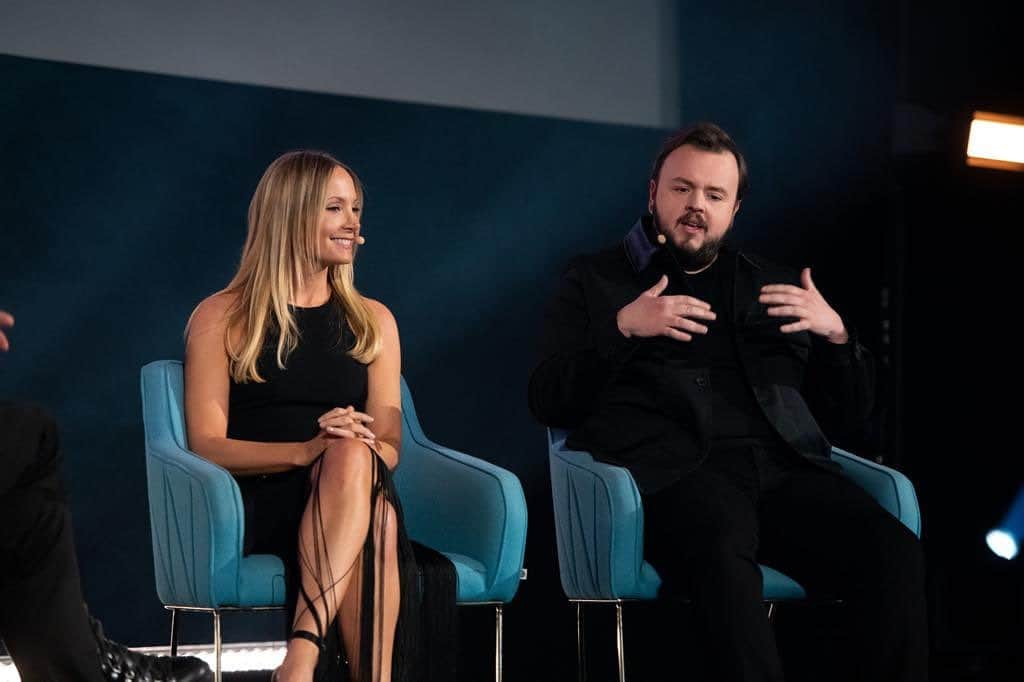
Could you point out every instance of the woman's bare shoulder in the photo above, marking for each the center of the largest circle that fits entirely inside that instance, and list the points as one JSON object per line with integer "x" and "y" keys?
{"x": 385, "y": 318}
{"x": 212, "y": 313}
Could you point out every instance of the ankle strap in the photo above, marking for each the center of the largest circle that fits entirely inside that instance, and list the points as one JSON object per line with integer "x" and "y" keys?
{"x": 309, "y": 637}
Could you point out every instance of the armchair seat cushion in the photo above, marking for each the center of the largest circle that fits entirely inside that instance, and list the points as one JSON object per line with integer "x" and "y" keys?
{"x": 261, "y": 581}
{"x": 779, "y": 586}
{"x": 472, "y": 577}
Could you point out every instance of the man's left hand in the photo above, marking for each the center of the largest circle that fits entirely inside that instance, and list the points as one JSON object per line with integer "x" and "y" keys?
{"x": 805, "y": 303}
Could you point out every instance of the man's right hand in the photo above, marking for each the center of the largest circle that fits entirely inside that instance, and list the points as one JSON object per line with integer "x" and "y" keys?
{"x": 652, "y": 314}
{"x": 6, "y": 320}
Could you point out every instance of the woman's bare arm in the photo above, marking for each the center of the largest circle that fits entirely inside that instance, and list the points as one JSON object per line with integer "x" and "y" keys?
{"x": 207, "y": 384}
{"x": 384, "y": 396}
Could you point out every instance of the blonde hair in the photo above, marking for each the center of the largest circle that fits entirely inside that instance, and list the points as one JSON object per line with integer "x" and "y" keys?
{"x": 281, "y": 247}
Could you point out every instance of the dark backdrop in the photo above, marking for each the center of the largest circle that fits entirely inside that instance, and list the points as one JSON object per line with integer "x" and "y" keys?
{"x": 122, "y": 204}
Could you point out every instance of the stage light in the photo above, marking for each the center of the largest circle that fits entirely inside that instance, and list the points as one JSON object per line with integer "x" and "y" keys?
{"x": 996, "y": 141}
{"x": 1002, "y": 543}
{"x": 1004, "y": 540}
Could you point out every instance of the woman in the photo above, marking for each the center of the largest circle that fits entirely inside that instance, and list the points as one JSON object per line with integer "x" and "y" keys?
{"x": 292, "y": 384}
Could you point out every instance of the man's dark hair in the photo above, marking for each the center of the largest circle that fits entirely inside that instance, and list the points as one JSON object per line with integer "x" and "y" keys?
{"x": 710, "y": 138}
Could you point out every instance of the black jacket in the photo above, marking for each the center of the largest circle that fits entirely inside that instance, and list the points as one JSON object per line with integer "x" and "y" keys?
{"x": 655, "y": 419}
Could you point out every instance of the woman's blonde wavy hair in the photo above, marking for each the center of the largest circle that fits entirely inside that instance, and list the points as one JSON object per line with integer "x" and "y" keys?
{"x": 281, "y": 248}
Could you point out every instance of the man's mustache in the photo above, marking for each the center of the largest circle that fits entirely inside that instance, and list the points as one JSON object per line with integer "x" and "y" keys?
{"x": 694, "y": 218}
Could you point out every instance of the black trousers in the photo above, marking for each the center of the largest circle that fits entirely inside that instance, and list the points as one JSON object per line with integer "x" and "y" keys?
{"x": 752, "y": 502}
{"x": 43, "y": 620}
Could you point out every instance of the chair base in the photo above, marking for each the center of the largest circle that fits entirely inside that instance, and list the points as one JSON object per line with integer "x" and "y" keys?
{"x": 499, "y": 620}
{"x": 216, "y": 612}
{"x": 581, "y": 644}
{"x": 499, "y": 615}
{"x": 620, "y": 643}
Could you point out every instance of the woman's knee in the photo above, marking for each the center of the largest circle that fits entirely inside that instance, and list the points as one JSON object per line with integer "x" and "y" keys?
{"x": 346, "y": 463}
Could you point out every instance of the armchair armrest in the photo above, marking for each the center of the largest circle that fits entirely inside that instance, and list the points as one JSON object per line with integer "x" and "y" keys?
{"x": 604, "y": 557}
{"x": 457, "y": 503}
{"x": 195, "y": 507}
{"x": 890, "y": 488}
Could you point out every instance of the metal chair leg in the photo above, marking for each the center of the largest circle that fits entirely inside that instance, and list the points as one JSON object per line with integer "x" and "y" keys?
{"x": 498, "y": 641}
{"x": 174, "y": 632}
{"x": 581, "y": 645}
{"x": 216, "y": 645}
{"x": 620, "y": 643}
{"x": 771, "y": 611}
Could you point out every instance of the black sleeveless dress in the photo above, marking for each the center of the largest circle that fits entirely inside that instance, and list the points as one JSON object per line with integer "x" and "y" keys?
{"x": 319, "y": 375}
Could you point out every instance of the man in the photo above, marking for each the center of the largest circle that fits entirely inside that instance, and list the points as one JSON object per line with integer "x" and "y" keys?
{"x": 43, "y": 621}
{"x": 683, "y": 360}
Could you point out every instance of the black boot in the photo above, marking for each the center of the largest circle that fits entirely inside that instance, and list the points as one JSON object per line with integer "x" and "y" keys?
{"x": 121, "y": 664}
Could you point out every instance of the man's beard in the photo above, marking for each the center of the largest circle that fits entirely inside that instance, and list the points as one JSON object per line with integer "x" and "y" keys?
{"x": 703, "y": 256}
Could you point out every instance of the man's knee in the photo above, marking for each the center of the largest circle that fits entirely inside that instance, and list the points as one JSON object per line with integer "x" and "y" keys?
{"x": 35, "y": 526}
{"x": 28, "y": 441}
{"x": 715, "y": 531}
{"x": 33, "y": 420}
{"x": 724, "y": 556}
{"x": 722, "y": 546}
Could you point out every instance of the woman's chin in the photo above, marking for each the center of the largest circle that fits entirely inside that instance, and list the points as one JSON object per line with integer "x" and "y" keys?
{"x": 337, "y": 260}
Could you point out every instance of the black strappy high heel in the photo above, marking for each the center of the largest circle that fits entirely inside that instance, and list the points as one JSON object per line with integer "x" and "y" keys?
{"x": 309, "y": 637}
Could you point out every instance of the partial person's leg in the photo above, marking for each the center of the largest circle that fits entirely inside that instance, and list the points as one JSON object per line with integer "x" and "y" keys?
{"x": 702, "y": 537}
{"x": 43, "y": 620}
{"x": 832, "y": 537}
{"x": 332, "y": 536}
{"x": 386, "y": 599}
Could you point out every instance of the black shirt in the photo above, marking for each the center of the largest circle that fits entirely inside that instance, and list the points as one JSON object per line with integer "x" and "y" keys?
{"x": 643, "y": 404}
{"x": 734, "y": 410}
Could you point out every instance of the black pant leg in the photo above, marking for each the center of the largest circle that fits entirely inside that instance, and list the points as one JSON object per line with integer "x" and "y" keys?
{"x": 701, "y": 534}
{"x": 837, "y": 541}
{"x": 43, "y": 621}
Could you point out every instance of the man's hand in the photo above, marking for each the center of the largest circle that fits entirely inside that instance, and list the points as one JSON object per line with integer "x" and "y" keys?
{"x": 652, "y": 314}
{"x": 806, "y": 304}
{"x": 6, "y": 320}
